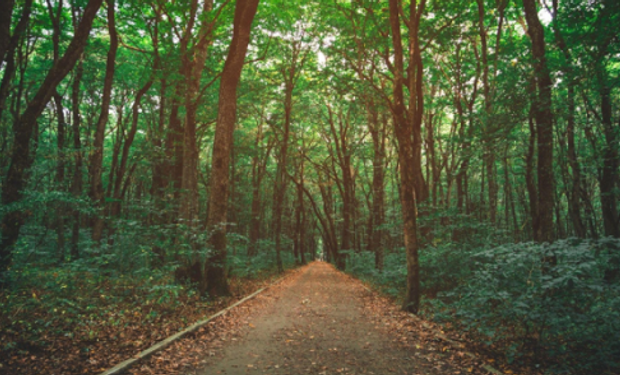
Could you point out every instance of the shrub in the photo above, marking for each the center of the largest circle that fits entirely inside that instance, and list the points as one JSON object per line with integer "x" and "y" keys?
{"x": 565, "y": 312}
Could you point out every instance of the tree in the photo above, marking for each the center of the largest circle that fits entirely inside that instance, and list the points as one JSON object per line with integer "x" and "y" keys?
{"x": 215, "y": 281}
{"x": 544, "y": 125}
{"x": 96, "y": 155}
{"x": 407, "y": 128}
{"x": 21, "y": 159}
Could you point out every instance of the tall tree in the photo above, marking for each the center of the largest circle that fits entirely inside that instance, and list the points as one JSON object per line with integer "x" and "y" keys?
{"x": 407, "y": 128}
{"x": 608, "y": 19}
{"x": 95, "y": 167}
{"x": 544, "y": 125}
{"x": 214, "y": 278}
{"x": 290, "y": 71}
{"x": 23, "y": 127}
{"x": 193, "y": 62}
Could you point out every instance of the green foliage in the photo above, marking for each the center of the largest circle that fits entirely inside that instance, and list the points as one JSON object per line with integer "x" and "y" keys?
{"x": 391, "y": 280}
{"x": 131, "y": 273}
{"x": 251, "y": 267}
{"x": 564, "y": 315}
{"x": 565, "y": 312}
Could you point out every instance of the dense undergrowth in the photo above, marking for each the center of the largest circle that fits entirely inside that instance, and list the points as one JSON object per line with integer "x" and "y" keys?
{"x": 113, "y": 300}
{"x": 554, "y": 308}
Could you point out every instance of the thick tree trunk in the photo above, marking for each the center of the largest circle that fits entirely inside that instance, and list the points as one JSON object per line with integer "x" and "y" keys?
{"x": 215, "y": 281}
{"x": 23, "y": 128}
{"x": 407, "y": 129}
{"x": 193, "y": 65}
{"x": 544, "y": 125}
{"x": 6, "y": 15}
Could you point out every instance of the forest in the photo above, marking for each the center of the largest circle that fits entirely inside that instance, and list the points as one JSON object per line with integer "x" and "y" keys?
{"x": 160, "y": 157}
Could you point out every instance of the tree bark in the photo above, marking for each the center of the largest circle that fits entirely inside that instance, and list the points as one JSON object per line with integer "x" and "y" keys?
{"x": 6, "y": 15}
{"x": 193, "y": 65}
{"x": 407, "y": 129}
{"x": 96, "y": 155}
{"x": 215, "y": 281}
{"x": 544, "y": 125}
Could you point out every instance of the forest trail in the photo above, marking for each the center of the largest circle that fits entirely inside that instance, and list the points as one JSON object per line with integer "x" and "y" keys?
{"x": 321, "y": 321}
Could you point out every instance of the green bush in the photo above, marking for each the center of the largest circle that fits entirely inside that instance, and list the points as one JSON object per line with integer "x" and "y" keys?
{"x": 563, "y": 310}
{"x": 563, "y": 315}
{"x": 241, "y": 265}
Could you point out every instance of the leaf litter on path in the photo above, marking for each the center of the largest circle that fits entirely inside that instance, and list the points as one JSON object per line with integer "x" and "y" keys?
{"x": 317, "y": 321}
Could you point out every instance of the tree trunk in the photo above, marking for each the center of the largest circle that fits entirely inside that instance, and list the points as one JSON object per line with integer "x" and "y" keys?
{"x": 407, "y": 130}
{"x": 60, "y": 176}
{"x": 574, "y": 196}
{"x": 488, "y": 140}
{"x": 574, "y": 190}
{"x": 121, "y": 171}
{"x": 193, "y": 65}
{"x": 215, "y": 281}
{"x": 530, "y": 165}
{"x": 6, "y": 16}
{"x": 96, "y": 155}
{"x": 76, "y": 182}
{"x": 378, "y": 132}
{"x": 23, "y": 128}
{"x": 290, "y": 74}
{"x": 609, "y": 176}
{"x": 544, "y": 125}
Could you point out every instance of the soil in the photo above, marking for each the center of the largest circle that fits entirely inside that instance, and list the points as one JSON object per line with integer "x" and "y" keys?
{"x": 317, "y": 321}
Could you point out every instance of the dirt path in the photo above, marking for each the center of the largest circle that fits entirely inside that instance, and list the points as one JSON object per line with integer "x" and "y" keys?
{"x": 320, "y": 321}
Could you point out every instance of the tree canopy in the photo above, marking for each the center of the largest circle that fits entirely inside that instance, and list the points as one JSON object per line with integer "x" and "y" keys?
{"x": 464, "y": 154}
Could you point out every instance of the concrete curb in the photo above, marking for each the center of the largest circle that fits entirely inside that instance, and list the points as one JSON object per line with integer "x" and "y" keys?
{"x": 125, "y": 365}
{"x": 455, "y": 344}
